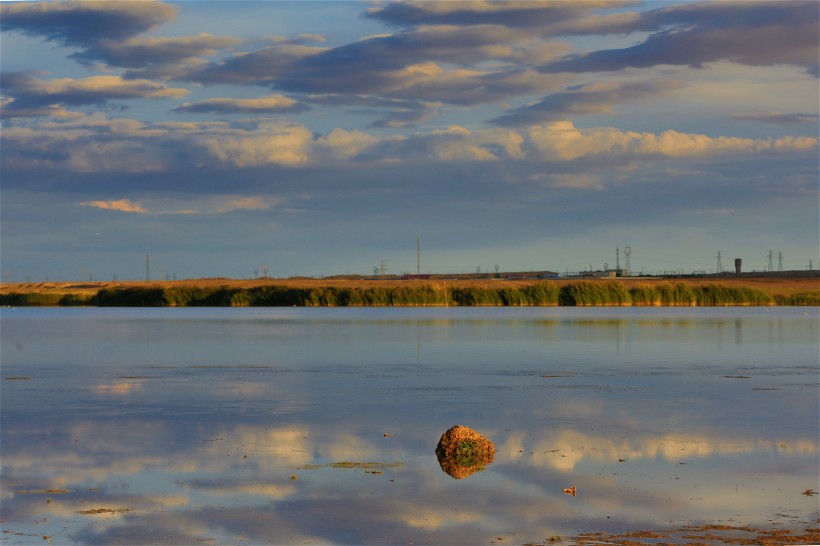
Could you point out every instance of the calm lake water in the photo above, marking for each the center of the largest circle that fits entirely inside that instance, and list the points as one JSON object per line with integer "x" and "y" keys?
{"x": 214, "y": 426}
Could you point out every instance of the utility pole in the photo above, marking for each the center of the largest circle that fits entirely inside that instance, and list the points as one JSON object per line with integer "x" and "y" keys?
{"x": 418, "y": 256}
{"x": 627, "y": 265}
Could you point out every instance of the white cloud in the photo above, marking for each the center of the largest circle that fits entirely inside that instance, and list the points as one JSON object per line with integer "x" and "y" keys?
{"x": 576, "y": 181}
{"x": 99, "y": 144}
{"x": 794, "y": 144}
{"x": 270, "y": 103}
{"x": 266, "y": 144}
{"x": 210, "y": 205}
{"x": 122, "y": 205}
{"x": 460, "y": 144}
{"x": 562, "y": 141}
{"x": 344, "y": 144}
{"x": 231, "y": 204}
{"x": 94, "y": 89}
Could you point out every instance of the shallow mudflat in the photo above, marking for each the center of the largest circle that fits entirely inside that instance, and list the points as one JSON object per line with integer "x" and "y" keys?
{"x": 272, "y": 426}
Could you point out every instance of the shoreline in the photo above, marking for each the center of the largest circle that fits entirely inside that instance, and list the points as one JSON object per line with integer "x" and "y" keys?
{"x": 431, "y": 292}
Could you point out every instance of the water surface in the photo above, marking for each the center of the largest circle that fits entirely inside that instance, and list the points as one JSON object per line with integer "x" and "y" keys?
{"x": 199, "y": 426}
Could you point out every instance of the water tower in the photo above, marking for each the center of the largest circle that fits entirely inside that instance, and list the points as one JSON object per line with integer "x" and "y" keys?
{"x": 738, "y": 263}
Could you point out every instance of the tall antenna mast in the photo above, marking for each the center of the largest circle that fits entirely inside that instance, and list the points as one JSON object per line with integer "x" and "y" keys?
{"x": 719, "y": 268}
{"x": 617, "y": 259}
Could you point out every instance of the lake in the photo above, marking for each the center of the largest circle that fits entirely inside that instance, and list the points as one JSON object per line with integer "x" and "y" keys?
{"x": 309, "y": 426}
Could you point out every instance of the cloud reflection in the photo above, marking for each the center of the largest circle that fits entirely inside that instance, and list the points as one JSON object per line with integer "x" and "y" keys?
{"x": 650, "y": 423}
{"x": 121, "y": 388}
{"x": 249, "y": 467}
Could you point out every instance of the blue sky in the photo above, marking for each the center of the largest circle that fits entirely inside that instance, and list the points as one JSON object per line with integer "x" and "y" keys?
{"x": 318, "y": 138}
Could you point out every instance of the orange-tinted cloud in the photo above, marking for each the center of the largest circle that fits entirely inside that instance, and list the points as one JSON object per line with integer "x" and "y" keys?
{"x": 122, "y": 205}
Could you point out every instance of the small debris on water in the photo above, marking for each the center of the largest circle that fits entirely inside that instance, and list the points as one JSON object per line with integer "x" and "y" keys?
{"x": 104, "y": 511}
{"x": 570, "y": 491}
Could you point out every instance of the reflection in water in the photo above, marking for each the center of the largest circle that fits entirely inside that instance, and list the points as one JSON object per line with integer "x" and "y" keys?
{"x": 462, "y": 452}
{"x": 249, "y": 429}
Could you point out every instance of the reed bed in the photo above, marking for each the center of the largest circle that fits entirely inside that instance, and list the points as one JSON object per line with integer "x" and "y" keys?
{"x": 44, "y": 299}
{"x": 583, "y": 293}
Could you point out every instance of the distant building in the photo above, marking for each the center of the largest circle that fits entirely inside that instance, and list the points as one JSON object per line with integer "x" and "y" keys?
{"x": 605, "y": 274}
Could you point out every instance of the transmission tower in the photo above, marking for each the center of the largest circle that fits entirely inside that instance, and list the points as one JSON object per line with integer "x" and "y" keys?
{"x": 780, "y": 261}
{"x": 627, "y": 265}
{"x": 771, "y": 266}
{"x": 719, "y": 268}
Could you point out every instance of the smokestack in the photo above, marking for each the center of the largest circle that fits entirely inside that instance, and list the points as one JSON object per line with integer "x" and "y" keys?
{"x": 738, "y": 263}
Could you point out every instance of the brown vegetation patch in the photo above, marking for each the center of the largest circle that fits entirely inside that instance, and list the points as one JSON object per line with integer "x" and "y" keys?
{"x": 462, "y": 452}
{"x": 366, "y": 466}
{"x": 42, "y": 492}
{"x": 96, "y": 511}
{"x": 702, "y": 534}
{"x": 780, "y": 285}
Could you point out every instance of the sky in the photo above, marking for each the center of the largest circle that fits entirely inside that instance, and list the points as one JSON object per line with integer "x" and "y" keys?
{"x": 312, "y": 138}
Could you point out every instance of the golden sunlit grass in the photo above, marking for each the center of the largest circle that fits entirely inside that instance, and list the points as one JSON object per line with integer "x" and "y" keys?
{"x": 428, "y": 292}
